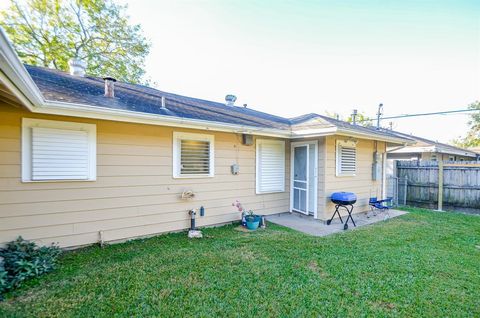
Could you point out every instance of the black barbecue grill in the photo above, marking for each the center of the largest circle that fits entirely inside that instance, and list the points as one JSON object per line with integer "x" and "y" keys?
{"x": 344, "y": 200}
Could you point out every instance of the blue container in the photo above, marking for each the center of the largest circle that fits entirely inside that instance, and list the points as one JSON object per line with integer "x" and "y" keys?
{"x": 253, "y": 222}
{"x": 343, "y": 198}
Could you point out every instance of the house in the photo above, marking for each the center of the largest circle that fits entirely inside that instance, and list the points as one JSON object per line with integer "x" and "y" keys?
{"x": 84, "y": 159}
{"x": 425, "y": 149}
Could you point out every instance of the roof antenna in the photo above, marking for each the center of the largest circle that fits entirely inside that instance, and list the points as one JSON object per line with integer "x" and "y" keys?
{"x": 379, "y": 114}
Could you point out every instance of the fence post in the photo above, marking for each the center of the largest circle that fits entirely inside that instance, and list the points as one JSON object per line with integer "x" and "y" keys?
{"x": 395, "y": 192}
{"x": 405, "y": 191}
{"x": 440, "y": 185}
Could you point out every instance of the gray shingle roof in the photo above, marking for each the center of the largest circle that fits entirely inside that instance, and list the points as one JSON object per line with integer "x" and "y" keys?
{"x": 427, "y": 142}
{"x": 59, "y": 86}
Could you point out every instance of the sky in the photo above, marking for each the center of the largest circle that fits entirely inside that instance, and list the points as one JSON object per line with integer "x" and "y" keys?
{"x": 295, "y": 57}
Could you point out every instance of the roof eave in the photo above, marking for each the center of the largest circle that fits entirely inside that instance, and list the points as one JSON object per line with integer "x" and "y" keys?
{"x": 88, "y": 111}
{"x": 390, "y": 139}
{"x": 457, "y": 152}
{"x": 308, "y": 133}
{"x": 16, "y": 77}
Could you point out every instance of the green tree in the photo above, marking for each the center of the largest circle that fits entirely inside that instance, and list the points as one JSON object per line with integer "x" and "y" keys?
{"x": 362, "y": 120}
{"x": 50, "y": 32}
{"x": 472, "y": 139}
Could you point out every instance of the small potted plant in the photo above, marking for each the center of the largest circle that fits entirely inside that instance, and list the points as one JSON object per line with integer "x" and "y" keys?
{"x": 252, "y": 220}
{"x": 249, "y": 219}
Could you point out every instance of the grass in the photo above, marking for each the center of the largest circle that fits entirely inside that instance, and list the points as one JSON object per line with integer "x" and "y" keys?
{"x": 423, "y": 264}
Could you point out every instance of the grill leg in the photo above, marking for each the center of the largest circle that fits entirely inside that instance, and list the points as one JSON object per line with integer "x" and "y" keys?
{"x": 349, "y": 216}
{"x": 333, "y": 216}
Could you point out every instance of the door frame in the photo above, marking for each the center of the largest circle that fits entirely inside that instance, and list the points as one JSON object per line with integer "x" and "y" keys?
{"x": 307, "y": 143}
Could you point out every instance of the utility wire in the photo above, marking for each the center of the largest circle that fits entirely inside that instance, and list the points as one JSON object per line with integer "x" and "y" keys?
{"x": 423, "y": 114}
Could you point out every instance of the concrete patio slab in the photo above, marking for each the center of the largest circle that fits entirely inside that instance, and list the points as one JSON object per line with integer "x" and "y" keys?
{"x": 307, "y": 224}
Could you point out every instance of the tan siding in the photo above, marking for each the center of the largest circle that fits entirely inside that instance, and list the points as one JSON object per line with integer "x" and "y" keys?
{"x": 135, "y": 193}
{"x": 361, "y": 184}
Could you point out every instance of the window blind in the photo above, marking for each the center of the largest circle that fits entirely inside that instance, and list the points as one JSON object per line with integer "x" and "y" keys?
{"x": 194, "y": 157}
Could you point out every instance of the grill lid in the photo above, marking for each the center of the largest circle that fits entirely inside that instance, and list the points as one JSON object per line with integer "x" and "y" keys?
{"x": 343, "y": 197}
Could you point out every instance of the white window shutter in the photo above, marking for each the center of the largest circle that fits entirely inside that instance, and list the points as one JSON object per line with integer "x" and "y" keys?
{"x": 270, "y": 166}
{"x": 59, "y": 154}
{"x": 193, "y": 155}
{"x": 346, "y": 158}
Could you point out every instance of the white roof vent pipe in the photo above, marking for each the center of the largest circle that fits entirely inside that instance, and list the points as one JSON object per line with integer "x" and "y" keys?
{"x": 77, "y": 67}
{"x": 230, "y": 100}
{"x": 164, "y": 105}
{"x": 109, "y": 86}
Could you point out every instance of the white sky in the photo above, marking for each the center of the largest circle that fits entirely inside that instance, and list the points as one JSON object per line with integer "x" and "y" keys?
{"x": 291, "y": 58}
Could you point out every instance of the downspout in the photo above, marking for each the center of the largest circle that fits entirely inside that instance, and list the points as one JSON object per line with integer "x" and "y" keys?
{"x": 384, "y": 172}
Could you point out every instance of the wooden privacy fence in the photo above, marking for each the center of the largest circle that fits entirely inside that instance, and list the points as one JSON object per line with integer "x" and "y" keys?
{"x": 437, "y": 184}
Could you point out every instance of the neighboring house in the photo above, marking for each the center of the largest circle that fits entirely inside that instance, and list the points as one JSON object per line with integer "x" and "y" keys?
{"x": 475, "y": 149}
{"x": 425, "y": 149}
{"x": 84, "y": 159}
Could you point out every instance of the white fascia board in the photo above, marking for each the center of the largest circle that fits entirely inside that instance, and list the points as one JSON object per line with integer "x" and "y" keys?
{"x": 314, "y": 132}
{"x": 394, "y": 149}
{"x": 87, "y": 111}
{"x": 347, "y": 132}
{"x": 457, "y": 152}
{"x": 414, "y": 149}
{"x": 14, "y": 70}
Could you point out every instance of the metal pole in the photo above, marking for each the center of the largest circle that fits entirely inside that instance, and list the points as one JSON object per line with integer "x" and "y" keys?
{"x": 395, "y": 191}
{"x": 379, "y": 113}
{"x": 440, "y": 184}
{"x": 405, "y": 191}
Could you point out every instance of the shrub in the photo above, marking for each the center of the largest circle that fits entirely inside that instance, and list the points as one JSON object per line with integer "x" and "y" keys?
{"x": 21, "y": 260}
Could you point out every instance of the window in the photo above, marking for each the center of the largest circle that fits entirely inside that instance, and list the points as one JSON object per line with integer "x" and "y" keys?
{"x": 346, "y": 158}
{"x": 433, "y": 157}
{"x": 451, "y": 158}
{"x": 58, "y": 150}
{"x": 270, "y": 166}
{"x": 193, "y": 155}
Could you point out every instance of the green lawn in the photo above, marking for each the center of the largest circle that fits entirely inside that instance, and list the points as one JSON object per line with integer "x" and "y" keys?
{"x": 424, "y": 264}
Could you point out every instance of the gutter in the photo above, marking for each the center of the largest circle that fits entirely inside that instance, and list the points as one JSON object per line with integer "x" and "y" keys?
{"x": 81, "y": 110}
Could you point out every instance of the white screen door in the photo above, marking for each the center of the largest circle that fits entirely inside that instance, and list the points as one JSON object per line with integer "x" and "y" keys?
{"x": 300, "y": 178}
{"x": 304, "y": 178}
